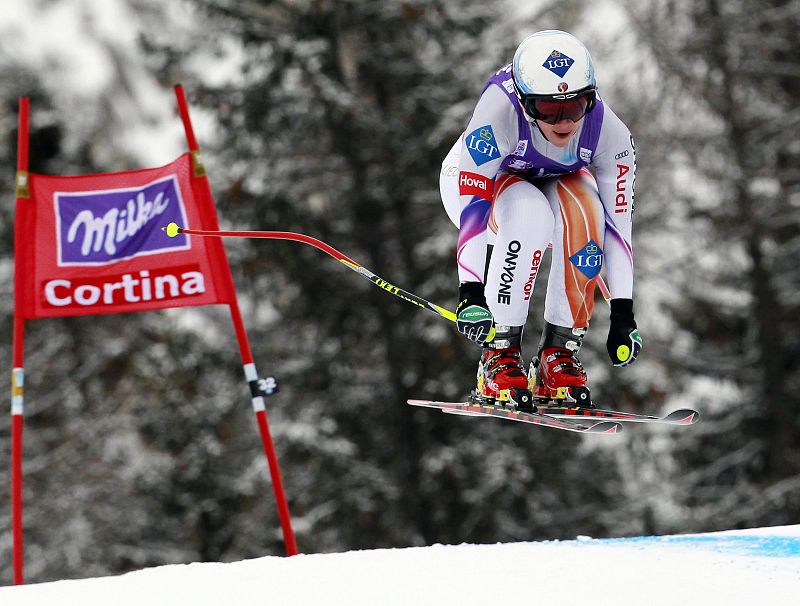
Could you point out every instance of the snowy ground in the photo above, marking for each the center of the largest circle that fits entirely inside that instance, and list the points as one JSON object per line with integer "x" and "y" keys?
{"x": 760, "y": 566}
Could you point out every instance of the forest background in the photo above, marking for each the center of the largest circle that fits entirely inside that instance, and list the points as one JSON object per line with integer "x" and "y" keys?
{"x": 332, "y": 118}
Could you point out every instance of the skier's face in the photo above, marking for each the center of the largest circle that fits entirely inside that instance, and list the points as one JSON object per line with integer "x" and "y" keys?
{"x": 561, "y": 132}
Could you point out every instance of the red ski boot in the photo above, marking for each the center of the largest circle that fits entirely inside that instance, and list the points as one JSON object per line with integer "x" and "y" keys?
{"x": 501, "y": 374}
{"x": 557, "y": 374}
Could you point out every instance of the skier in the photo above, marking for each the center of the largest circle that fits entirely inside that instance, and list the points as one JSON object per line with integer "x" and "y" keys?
{"x": 517, "y": 179}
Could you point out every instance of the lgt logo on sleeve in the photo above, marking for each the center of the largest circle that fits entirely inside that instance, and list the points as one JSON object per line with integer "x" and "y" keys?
{"x": 482, "y": 145}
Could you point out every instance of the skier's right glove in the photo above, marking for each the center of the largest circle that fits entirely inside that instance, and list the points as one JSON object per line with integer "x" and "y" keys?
{"x": 474, "y": 320}
{"x": 624, "y": 341}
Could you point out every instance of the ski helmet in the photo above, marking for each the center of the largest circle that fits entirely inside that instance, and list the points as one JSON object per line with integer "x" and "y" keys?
{"x": 553, "y": 77}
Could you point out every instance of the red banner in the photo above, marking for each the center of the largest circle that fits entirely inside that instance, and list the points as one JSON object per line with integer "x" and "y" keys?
{"x": 94, "y": 244}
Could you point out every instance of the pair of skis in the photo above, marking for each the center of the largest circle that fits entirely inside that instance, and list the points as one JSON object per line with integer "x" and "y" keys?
{"x": 580, "y": 420}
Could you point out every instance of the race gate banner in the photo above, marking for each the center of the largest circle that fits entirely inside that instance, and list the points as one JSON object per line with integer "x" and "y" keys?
{"x": 94, "y": 244}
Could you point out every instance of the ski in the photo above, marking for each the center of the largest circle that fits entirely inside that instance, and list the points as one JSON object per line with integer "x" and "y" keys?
{"x": 682, "y": 416}
{"x": 511, "y": 414}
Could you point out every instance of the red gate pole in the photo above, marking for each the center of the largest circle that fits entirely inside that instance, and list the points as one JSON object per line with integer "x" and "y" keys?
{"x": 18, "y": 356}
{"x": 17, "y": 424}
{"x": 251, "y": 374}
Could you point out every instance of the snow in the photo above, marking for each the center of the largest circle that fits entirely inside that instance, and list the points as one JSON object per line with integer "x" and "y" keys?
{"x": 759, "y": 566}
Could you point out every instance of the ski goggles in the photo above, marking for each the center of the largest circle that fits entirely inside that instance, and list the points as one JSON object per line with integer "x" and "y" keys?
{"x": 553, "y": 110}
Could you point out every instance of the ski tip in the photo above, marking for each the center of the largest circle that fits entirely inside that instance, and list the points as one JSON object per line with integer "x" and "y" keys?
{"x": 172, "y": 229}
{"x": 683, "y": 416}
{"x": 605, "y": 427}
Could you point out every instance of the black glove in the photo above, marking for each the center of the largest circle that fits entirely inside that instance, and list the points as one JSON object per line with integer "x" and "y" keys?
{"x": 624, "y": 341}
{"x": 474, "y": 320}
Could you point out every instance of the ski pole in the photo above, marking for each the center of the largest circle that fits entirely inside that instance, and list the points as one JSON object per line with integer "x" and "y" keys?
{"x": 604, "y": 289}
{"x": 173, "y": 230}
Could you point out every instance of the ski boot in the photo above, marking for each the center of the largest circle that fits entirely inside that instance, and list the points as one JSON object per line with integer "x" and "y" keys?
{"x": 501, "y": 374}
{"x": 556, "y": 373}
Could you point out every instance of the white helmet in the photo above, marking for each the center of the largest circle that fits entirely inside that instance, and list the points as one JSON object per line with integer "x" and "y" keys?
{"x": 553, "y": 65}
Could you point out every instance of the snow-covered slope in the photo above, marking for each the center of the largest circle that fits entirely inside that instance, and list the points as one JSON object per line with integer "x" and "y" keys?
{"x": 760, "y": 566}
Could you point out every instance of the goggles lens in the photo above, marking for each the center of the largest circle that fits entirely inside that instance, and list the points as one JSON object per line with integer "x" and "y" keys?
{"x": 553, "y": 111}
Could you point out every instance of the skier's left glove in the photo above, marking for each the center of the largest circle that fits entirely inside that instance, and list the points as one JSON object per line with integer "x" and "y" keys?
{"x": 624, "y": 341}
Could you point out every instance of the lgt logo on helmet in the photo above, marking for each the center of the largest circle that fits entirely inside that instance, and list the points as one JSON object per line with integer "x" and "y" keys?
{"x": 558, "y": 63}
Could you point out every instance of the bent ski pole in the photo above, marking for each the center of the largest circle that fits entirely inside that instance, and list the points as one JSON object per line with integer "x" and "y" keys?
{"x": 604, "y": 289}
{"x": 173, "y": 230}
